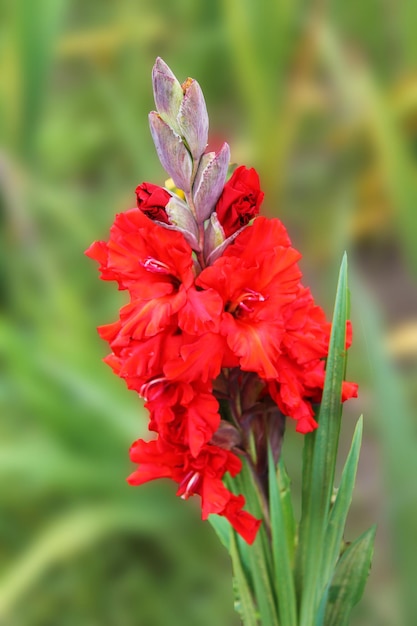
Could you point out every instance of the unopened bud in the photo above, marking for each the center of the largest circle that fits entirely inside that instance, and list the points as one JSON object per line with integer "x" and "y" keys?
{"x": 182, "y": 219}
{"x": 172, "y": 153}
{"x": 193, "y": 119}
{"x": 209, "y": 181}
{"x": 217, "y": 252}
{"x": 213, "y": 235}
{"x": 182, "y": 107}
{"x": 168, "y": 93}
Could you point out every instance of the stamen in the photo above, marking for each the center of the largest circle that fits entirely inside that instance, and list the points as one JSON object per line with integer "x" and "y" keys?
{"x": 243, "y": 303}
{"x": 153, "y": 265}
{"x": 244, "y": 307}
{"x": 159, "y": 267}
{"x": 143, "y": 391}
{"x": 190, "y": 484}
{"x": 253, "y": 296}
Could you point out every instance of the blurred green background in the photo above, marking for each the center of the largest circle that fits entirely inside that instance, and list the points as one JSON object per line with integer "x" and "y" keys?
{"x": 321, "y": 97}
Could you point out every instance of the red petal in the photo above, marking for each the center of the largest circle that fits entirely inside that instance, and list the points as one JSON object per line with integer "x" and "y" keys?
{"x": 202, "y": 312}
{"x": 243, "y": 522}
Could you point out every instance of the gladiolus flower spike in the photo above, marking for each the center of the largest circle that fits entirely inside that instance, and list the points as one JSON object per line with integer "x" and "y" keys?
{"x": 218, "y": 335}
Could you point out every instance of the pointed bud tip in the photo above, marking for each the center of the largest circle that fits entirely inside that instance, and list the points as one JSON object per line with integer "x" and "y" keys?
{"x": 210, "y": 180}
{"x": 225, "y": 148}
{"x": 161, "y": 66}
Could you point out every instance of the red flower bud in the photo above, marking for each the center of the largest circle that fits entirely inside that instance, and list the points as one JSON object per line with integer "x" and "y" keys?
{"x": 240, "y": 200}
{"x": 152, "y": 200}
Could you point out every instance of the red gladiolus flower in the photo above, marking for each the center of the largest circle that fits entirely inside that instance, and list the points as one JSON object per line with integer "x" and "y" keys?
{"x": 156, "y": 266}
{"x": 201, "y": 475}
{"x": 218, "y": 334}
{"x": 240, "y": 200}
{"x": 183, "y": 326}
{"x": 256, "y": 280}
{"x": 182, "y": 413}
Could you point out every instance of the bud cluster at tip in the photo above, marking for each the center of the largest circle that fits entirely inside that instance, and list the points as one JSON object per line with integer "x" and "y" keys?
{"x": 179, "y": 128}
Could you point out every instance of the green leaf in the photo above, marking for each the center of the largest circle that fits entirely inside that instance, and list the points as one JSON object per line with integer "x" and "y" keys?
{"x": 321, "y": 612}
{"x": 339, "y": 513}
{"x": 308, "y": 451}
{"x": 321, "y": 461}
{"x": 282, "y": 544}
{"x": 244, "y": 484}
{"x": 223, "y": 529}
{"x": 258, "y": 557}
{"x": 241, "y": 561}
{"x": 284, "y": 486}
{"x": 254, "y": 562}
{"x": 244, "y": 603}
{"x": 349, "y": 580}
{"x": 264, "y": 590}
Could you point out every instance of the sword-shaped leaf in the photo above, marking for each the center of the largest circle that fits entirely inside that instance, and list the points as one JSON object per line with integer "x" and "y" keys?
{"x": 349, "y": 580}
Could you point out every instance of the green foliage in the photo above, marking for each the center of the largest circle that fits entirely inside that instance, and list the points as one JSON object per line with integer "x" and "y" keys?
{"x": 340, "y": 508}
{"x": 283, "y": 542}
{"x": 349, "y": 580}
{"x": 319, "y": 475}
{"x": 244, "y": 601}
